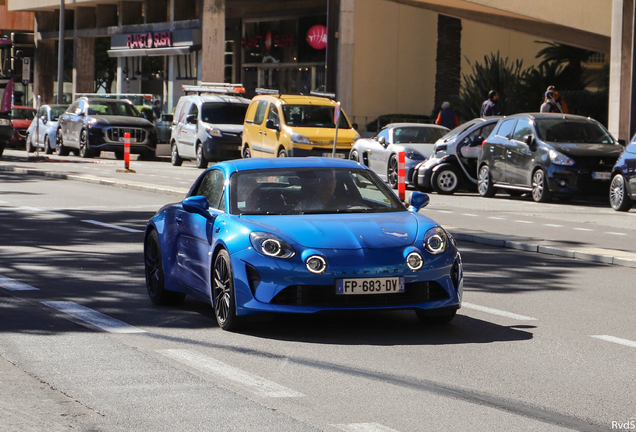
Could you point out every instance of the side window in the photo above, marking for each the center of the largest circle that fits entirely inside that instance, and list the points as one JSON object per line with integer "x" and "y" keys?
{"x": 194, "y": 110}
{"x": 212, "y": 187}
{"x": 506, "y": 128}
{"x": 179, "y": 109}
{"x": 273, "y": 115}
{"x": 260, "y": 112}
{"x": 522, "y": 129}
{"x": 184, "y": 111}
{"x": 486, "y": 130}
{"x": 82, "y": 106}
{"x": 73, "y": 107}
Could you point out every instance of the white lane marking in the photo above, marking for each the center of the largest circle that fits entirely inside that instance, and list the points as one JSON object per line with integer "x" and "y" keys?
{"x": 497, "y": 312}
{"x": 444, "y": 211}
{"x": 495, "y": 217}
{"x": 616, "y": 233}
{"x": 39, "y": 210}
{"x": 469, "y": 214}
{"x": 254, "y": 383}
{"x": 112, "y": 226}
{"x": 14, "y": 285}
{"x": 363, "y": 427}
{"x": 614, "y": 339}
{"x": 583, "y": 229}
{"x": 90, "y": 316}
{"x": 522, "y": 221}
{"x": 553, "y": 225}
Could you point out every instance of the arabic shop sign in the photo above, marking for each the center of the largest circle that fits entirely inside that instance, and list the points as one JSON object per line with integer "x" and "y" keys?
{"x": 149, "y": 40}
{"x": 269, "y": 41}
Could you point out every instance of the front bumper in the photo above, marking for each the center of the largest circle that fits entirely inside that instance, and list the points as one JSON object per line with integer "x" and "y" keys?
{"x": 100, "y": 139}
{"x": 341, "y": 152}
{"x": 573, "y": 180}
{"x": 222, "y": 148}
{"x": 265, "y": 284}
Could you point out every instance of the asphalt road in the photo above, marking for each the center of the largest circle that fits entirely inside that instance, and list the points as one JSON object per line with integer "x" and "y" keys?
{"x": 542, "y": 343}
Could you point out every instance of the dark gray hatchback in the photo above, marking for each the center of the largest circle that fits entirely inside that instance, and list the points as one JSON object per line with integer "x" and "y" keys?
{"x": 547, "y": 155}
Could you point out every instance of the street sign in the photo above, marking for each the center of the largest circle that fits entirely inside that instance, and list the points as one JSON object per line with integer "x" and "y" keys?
{"x": 26, "y": 70}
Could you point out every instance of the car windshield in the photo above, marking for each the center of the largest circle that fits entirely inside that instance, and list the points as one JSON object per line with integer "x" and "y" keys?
{"x": 313, "y": 116}
{"x": 459, "y": 129}
{"x": 310, "y": 191}
{"x": 223, "y": 113}
{"x": 56, "y": 112}
{"x": 572, "y": 131}
{"x": 113, "y": 108}
{"x": 415, "y": 135}
{"x": 22, "y": 114}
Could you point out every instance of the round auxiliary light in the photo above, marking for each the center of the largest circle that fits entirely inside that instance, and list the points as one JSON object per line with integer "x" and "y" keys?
{"x": 316, "y": 264}
{"x": 414, "y": 261}
{"x": 271, "y": 247}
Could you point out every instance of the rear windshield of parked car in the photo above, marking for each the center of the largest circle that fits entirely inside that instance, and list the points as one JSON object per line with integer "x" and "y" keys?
{"x": 113, "y": 109}
{"x": 414, "y": 135}
{"x": 223, "y": 113}
{"x": 22, "y": 114}
{"x": 572, "y": 131}
{"x": 313, "y": 116}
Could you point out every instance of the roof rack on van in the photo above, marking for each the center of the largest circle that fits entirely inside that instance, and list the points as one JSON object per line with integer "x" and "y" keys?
{"x": 323, "y": 94}
{"x": 219, "y": 88}
{"x": 267, "y": 91}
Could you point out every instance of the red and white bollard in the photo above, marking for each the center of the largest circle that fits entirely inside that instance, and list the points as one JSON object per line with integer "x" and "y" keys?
{"x": 401, "y": 176}
{"x": 127, "y": 150}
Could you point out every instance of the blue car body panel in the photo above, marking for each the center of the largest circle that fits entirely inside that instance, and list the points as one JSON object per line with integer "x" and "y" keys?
{"x": 355, "y": 245}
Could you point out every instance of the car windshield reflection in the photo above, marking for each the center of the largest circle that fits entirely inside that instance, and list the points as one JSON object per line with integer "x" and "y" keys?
{"x": 572, "y": 131}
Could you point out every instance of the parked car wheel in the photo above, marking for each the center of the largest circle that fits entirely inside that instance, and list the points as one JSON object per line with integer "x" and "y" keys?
{"x": 484, "y": 183}
{"x": 619, "y": 198}
{"x": 282, "y": 152}
{"x": 29, "y": 146}
{"x": 202, "y": 162}
{"x": 175, "y": 158}
{"x": 354, "y": 156}
{"x": 84, "y": 148}
{"x": 155, "y": 282}
{"x": 540, "y": 191}
{"x": 48, "y": 149}
{"x": 223, "y": 293}
{"x": 247, "y": 153}
{"x": 60, "y": 149}
{"x": 392, "y": 172}
{"x": 446, "y": 180}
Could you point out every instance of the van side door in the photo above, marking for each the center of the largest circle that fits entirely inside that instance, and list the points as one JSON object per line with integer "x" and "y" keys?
{"x": 252, "y": 130}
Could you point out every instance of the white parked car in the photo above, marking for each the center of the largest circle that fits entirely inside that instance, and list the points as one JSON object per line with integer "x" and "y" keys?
{"x": 43, "y": 130}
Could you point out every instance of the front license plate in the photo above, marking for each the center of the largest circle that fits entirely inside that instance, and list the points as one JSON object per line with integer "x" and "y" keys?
{"x": 132, "y": 140}
{"x": 338, "y": 155}
{"x": 392, "y": 285}
{"x": 601, "y": 175}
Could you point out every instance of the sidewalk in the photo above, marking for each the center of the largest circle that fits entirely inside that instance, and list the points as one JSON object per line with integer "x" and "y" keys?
{"x": 598, "y": 255}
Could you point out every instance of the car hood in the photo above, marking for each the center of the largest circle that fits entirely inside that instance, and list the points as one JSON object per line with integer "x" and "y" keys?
{"x": 425, "y": 149}
{"x": 325, "y": 135}
{"x": 341, "y": 231}
{"x": 21, "y": 124}
{"x": 228, "y": 128}
{"x": 122, "y": 121}
{"x": 583, "y": 150}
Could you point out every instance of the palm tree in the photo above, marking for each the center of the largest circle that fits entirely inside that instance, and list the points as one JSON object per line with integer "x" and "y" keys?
{"x": 448, "y": 60}
{"x": 573, "y": 73}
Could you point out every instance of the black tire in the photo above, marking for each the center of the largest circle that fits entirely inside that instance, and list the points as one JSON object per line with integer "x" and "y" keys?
{"x": 119, "y": 154}
{"x": 484, "y": 183}
{"x": 354, "y": 156}
{"x": 281, "y": 152}
{"x": 174, "y": 155}
{"x": 247, "y": 153}
{"x": 1, "y": 149}
{"x": 60, "y": 148}
{"x": 540, "y": 191}
{"x": 444, "y": 318}
{"x": 155, "y": 282}
{"x": 201, "y": 161}
{"x": 28, "y": 146}
{"x": 47, "y": 146}
{"x": 446, "y": 180}
{"x": 85, "y": 150}
{"x": 619, "y": 197}
{"x": 223, "y": 296}
{"x": 392, "y": 172}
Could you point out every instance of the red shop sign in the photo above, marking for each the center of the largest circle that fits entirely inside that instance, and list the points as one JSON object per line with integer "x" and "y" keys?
{"x": 149, "y": 40}
{"x": 317, "y": 37}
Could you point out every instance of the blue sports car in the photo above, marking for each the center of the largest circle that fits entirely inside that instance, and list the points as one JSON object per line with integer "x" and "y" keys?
{"x": 300, "y": 235}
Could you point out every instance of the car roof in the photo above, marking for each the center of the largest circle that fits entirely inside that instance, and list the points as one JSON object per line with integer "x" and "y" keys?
{"x": 429, "y": 125}
{"x": 550, "y": 115}
{"x": 297, "y": 99}
{"x": 103, "y": 100}
{"x": 293, "y": 162}
{"x": 217, "y": 98}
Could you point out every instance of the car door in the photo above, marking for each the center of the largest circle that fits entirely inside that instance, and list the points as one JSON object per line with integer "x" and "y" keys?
{"x": 253, "y": 128}
{"x": 44, "y": 119}
{"x": 189, "y": 132}
{"x": 497, "y": 149}
{"x": 377, "y": 153}
{"x": 66, "y": 121}
{"x": 270, "y": 136}
{"x": 77, "y": 122}
{"x": 195, "y": 235}
{"x": 179, "y": 132}
{"x": 519, "y": 156}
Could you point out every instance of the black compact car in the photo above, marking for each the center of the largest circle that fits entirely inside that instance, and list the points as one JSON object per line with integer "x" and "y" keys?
{"x": 623, "y": 184}
{"x": 91, "y": 125}
{"x": 547, "y": 155}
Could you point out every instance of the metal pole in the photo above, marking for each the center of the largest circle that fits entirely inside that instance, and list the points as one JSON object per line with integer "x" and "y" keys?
{"x": 60, "y": 56}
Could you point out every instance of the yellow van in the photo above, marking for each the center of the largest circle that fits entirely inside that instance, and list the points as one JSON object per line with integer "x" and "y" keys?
{"x": 294, "y": 125}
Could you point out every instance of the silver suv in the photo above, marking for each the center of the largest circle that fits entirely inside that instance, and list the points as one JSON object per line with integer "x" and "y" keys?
{"x": 207, "y": 127}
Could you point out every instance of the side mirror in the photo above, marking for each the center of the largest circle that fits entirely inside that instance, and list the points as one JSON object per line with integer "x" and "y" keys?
{"x": 198, "y": 205}
{"x": 191, "y": 118}
{"x": 43, "y": 118}
{"x": 144, "y": 114}
{"x": 417, "y": 201}
{"x": 382, "y": 140}
{"x": 269, "y": 124}
{"x": 529, "y": 140}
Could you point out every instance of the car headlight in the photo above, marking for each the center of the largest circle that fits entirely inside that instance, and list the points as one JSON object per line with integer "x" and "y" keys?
{"x": 299, "y": 138}
{"x": 414, "y": 261}
{"x": 560, "y": 159}
{"x": 213, "y": 132}
{"x": 5, "y": 122}
{"x": 412, "y": 154}
{"x": 269, "y": 245}
{"x": 316, "y": 264}
{"x": 436, "y": 241}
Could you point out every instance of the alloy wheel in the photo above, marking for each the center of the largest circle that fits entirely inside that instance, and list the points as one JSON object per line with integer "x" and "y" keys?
{"x": 540, "y": 191}
{"x": 222, "y": 290}
{"x": 392, "y": 172}
{"x": 154, "y": 272}
{"x": 619, "y": 199}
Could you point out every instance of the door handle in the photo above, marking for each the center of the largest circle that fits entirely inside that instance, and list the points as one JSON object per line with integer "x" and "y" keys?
{"x": 264, "y": 133}
{"x": 260, "y": 132}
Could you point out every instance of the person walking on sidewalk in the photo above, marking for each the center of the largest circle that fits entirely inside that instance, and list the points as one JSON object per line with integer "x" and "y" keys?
{"x": 550, "y": 105}
{"x": 559, "y": 100}
{"x": 490, "y": 107}
{"x": 447, "y": 117}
